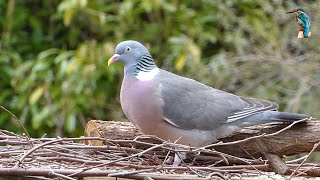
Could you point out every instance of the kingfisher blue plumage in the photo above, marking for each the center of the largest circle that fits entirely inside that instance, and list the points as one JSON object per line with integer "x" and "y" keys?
{"x": 303, "y": 21}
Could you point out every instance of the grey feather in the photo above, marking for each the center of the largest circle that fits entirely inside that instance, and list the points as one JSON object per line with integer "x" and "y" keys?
{"x": 189, "y": 104}
{"x": 193, "y": 105}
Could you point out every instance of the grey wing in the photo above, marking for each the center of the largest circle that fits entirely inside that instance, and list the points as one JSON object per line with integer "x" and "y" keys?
{"x": 189, "y": 104}
{"x": 253, "y": 106}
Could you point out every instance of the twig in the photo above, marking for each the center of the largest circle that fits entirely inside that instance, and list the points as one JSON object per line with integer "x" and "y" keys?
{"x": 308, "y": 169}
{"x": 120, "y": 159}
{"x": 52, "y": 173}
{"x": 217, "y": 174}
{"x": 294, "y": 172}
{"x": 38, "y": 177}
{"x": 296, "y": 160}
{"x": 120, "y": 174}
{"x": 19, "y": 122}
{"x": 34, "y": 149}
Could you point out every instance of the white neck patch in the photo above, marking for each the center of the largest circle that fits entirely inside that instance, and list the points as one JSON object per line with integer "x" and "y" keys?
{"x": 146, "y": 76}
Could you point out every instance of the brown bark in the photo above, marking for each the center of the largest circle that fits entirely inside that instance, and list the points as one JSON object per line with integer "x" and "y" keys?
{"x": 298, "y": 139}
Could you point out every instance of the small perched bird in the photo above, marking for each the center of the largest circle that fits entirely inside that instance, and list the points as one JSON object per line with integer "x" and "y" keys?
{"x": 174, "y": 108}
{"x": 303, "y": 22}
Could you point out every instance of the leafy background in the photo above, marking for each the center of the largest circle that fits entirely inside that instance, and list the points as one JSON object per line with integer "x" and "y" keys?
{"x": 53, "y": 55}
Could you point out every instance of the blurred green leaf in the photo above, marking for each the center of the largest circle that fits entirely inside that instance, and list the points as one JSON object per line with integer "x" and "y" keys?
{"x": 71, "y": 122}
{"x": 40, "y": 116}
{"x": 45, "y": 54}
{"x": 36, "y": 94}
{"x": 67, "y": 16}
{"x": 180, "y": 62}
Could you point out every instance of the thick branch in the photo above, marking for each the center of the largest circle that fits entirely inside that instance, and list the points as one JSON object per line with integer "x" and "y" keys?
{"x": 297, "y": 139}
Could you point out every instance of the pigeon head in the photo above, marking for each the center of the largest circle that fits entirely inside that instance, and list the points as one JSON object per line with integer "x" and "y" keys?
{"x": 128, "y": 53}
{"x": 136, "y": 59}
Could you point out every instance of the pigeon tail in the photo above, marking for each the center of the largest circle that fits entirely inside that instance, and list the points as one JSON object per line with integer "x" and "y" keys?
{"x": 271, "y": 117}
{"x": 286, "y": 116}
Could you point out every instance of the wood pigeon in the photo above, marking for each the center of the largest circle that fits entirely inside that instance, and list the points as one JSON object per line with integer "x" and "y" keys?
{"x": 174, "y": 108}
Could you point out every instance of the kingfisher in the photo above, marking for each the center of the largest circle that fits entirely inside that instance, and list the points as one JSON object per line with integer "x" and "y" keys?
{"x": 303, "y": 21}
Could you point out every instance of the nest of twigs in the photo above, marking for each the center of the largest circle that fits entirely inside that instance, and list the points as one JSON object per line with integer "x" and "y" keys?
{"x": 140, "y": 158}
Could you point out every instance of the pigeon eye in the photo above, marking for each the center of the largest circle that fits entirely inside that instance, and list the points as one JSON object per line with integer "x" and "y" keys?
{"x": 128, "y": 49}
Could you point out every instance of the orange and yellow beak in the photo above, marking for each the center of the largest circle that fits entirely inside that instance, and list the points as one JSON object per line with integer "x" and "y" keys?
{"x": 113, "y": 59}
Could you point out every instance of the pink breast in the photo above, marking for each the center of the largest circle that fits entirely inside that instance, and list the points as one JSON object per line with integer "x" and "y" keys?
{"x": 141, "y": 102}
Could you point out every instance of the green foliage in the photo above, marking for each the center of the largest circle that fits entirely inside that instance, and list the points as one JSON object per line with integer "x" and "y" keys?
{"x": 53, "y": 55}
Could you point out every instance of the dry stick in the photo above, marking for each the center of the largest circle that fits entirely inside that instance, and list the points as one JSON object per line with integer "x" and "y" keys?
{"x": 294, "y": 172}
{"x": 121, "y": 159}
{"x": 288, "y": 127}
{"x": 296, "y": 160}
{"x": 101, "y": 148}
{"x": 255, "y": 137}
{"x": 235, "y": 174}
{"x": 303, "y": 171}
{"x": 166, "y": 157}
{"x": 88, "y": 162}
{"x": 221, "y": 154}
{"x": 238, "y": 168}
{"x": 243, "y": 160}
{"x": 192, "y": 170}
{"x": 8, "y": 133}
{"x": 38, "y": 177}
{"x": 308, "y": 169}
{"x": 256, "y": 169}
{"x": 108, "y": 156}
{"x": 19, "y": 122}
{"x": 224, "y": 169}
{"x": 34, "y": 149}
{"x": 102, "y": 139}
{"x": 4, "y": 140}
{"x": 52, "y": 173}
{"x": 70, "y": 159}
{"x": 133, "y": 172}
{"x": 78, "y": 154}
{"x": 191, "y": 149}
{"x": 149, "y": 137}
{"x": 73, "y": 139}
{"x": 69, "y": 155}
{"x": 159, "y": 168}
{"x": 20, "y": 172}
{"x": 14, "y": 142}
{"x": 211, "y": 175}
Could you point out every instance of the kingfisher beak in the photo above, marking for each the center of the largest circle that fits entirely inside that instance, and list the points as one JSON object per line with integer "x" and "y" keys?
{"x": 293, "y": 11}
{"x": 113, "y": 59}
